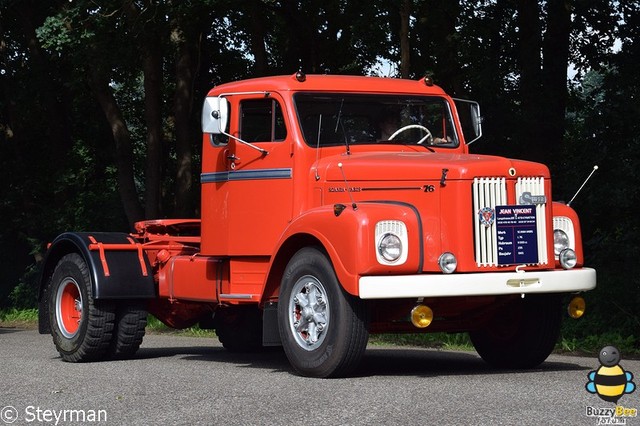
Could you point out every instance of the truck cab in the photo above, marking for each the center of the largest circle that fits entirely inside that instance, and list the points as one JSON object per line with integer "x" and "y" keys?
{"x": 334, "y": 207}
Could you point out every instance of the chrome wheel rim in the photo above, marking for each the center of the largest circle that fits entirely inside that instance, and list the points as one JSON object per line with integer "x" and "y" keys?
{"x": 308, "y": 312}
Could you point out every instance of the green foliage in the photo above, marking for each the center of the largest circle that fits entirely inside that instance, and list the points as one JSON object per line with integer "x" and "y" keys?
{"x": 592, "y": 344}
{"x": 18, "y": 317}
{"x": 25, "y": 294}
{"x": 54, "y": 33}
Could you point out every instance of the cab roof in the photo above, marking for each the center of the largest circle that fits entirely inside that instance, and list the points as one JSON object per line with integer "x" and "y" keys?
{"x": 329, "y": 83}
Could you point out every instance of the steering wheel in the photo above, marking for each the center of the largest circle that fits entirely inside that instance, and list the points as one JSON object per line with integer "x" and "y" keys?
{"x": 413, "y": 126}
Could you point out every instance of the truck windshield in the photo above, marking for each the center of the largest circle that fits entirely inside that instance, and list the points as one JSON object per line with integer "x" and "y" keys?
{"x": 330, "y": 119}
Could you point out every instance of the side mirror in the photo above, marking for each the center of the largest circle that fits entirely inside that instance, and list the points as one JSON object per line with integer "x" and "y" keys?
{"x": 470, "y": 119}
{"x": 215, "y": 115}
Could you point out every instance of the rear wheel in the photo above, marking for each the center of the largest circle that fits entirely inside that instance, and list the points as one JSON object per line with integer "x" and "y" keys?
{"x": 81, "y": 326}
{"x": 323, "y": 329}
{"x": 523, "y": 334}
{"x": 130, "y": 325}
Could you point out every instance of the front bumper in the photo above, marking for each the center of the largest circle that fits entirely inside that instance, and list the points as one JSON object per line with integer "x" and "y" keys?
{"x": 476, "y": 284}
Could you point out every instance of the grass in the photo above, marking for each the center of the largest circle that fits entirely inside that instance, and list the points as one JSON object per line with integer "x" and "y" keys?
{"x": 588, "y": 345}
{"x": 154, "y": 325}
{"x": 445, "y": 341}
{"x": 27, "y": 318}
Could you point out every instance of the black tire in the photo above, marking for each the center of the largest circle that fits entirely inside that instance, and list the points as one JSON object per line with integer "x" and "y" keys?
{"x": 239, "y": 328}
{"x": 130, "y": 325}
{"x": 81, "y": 326}
{"x": 523, "y": 334}
{"x": 332, "y": 338}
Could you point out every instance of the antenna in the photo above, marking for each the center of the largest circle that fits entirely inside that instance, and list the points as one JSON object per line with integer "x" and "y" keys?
{"x": 353, "y": 203}
{"x": 583, "y": 184}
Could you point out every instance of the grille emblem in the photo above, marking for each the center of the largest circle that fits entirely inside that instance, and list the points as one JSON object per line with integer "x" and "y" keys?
{"x": 527, "y": 199}
{"x": 487, "y": 216}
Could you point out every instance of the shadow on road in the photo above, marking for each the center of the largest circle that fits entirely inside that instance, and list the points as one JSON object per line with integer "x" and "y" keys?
{"x": 430, "y": 363}
{"x": 376, "y": 361}
{"x": 270, "y": 358}
{"x": 4, "y": 330}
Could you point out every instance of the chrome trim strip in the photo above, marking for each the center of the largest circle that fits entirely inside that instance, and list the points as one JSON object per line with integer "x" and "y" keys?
{"x": 237, "y": 296}
{"x": 238, "y": 175}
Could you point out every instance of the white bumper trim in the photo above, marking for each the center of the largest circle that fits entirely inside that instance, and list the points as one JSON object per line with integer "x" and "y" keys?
{"x": 476, "y": 284}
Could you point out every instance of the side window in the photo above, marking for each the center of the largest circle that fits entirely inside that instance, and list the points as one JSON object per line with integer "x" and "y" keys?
{"x": 262, "y": 121}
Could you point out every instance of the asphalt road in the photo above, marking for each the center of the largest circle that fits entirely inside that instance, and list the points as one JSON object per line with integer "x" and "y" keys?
{"x": 178, "y": 380}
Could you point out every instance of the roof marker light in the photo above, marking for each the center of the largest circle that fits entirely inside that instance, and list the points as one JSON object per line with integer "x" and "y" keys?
{"x": 428, "y": 81}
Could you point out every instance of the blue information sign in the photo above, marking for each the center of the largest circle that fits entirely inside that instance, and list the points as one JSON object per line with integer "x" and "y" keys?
{"x": 517, "y": 236}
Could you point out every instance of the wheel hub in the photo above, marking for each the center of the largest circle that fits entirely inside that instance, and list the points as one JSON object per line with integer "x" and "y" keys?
{"x": 309, "y": 312}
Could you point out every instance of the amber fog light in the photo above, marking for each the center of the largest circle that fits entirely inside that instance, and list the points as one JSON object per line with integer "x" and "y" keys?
{"x": 421, "y": 316}
{"x": 577, "y": 307}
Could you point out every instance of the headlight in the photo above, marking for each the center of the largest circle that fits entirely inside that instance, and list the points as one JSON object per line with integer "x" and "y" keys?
{"x": 392, "y": 244}
{"x": 448, "y": 262}
{"x": 568, "y": 258}
{"x": 390, "y": 247}
{"x": 564, "y": 235}
{"x": 560, "y": 241}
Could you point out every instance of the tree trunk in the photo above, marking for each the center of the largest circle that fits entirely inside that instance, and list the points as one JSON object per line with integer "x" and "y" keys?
{"x": 444, "y": 17}
{"x": 182, "y": 101}
{"x": 533, "y": 139}
{"x": 405, "y": 47}
{"x": 150, "y": 44}
{"x": 152, "y": 66}
{"x": 556, "y": 61}
{"x": 257, "y": 36}
{"x": 124, "y": 149}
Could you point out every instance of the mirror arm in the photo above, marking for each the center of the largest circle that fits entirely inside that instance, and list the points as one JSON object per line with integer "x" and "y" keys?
{"x": 257, "y": 148}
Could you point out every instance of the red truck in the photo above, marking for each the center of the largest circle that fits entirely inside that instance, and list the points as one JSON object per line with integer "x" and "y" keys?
{"x": 333, "y": 207}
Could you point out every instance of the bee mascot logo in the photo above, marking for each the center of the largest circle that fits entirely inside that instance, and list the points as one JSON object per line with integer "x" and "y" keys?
{"x": 610, "y": 381}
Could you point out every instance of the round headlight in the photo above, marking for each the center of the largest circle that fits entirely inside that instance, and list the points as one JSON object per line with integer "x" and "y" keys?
{"x": 448, "y": 262}
{"x": 390, "y": 247}
{"x": 560, "y": 241}
{"x": 568, "y": 258}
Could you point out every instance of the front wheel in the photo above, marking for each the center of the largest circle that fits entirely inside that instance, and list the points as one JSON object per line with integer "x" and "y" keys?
{"x": 523, "y": 334}
{"x": 81, "y": 327}
{"x": 323, "y": 329}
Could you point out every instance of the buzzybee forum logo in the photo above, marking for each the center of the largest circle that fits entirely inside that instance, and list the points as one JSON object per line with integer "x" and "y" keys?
{"x": 610, "y": 382}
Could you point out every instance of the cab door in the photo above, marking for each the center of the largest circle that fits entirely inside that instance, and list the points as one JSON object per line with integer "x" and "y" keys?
{"x": 249, "y": 188}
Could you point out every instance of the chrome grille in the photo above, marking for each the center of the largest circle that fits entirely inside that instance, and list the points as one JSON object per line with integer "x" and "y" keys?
{"x": 487, "y": 192}
{"x": 492, "y": 192}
